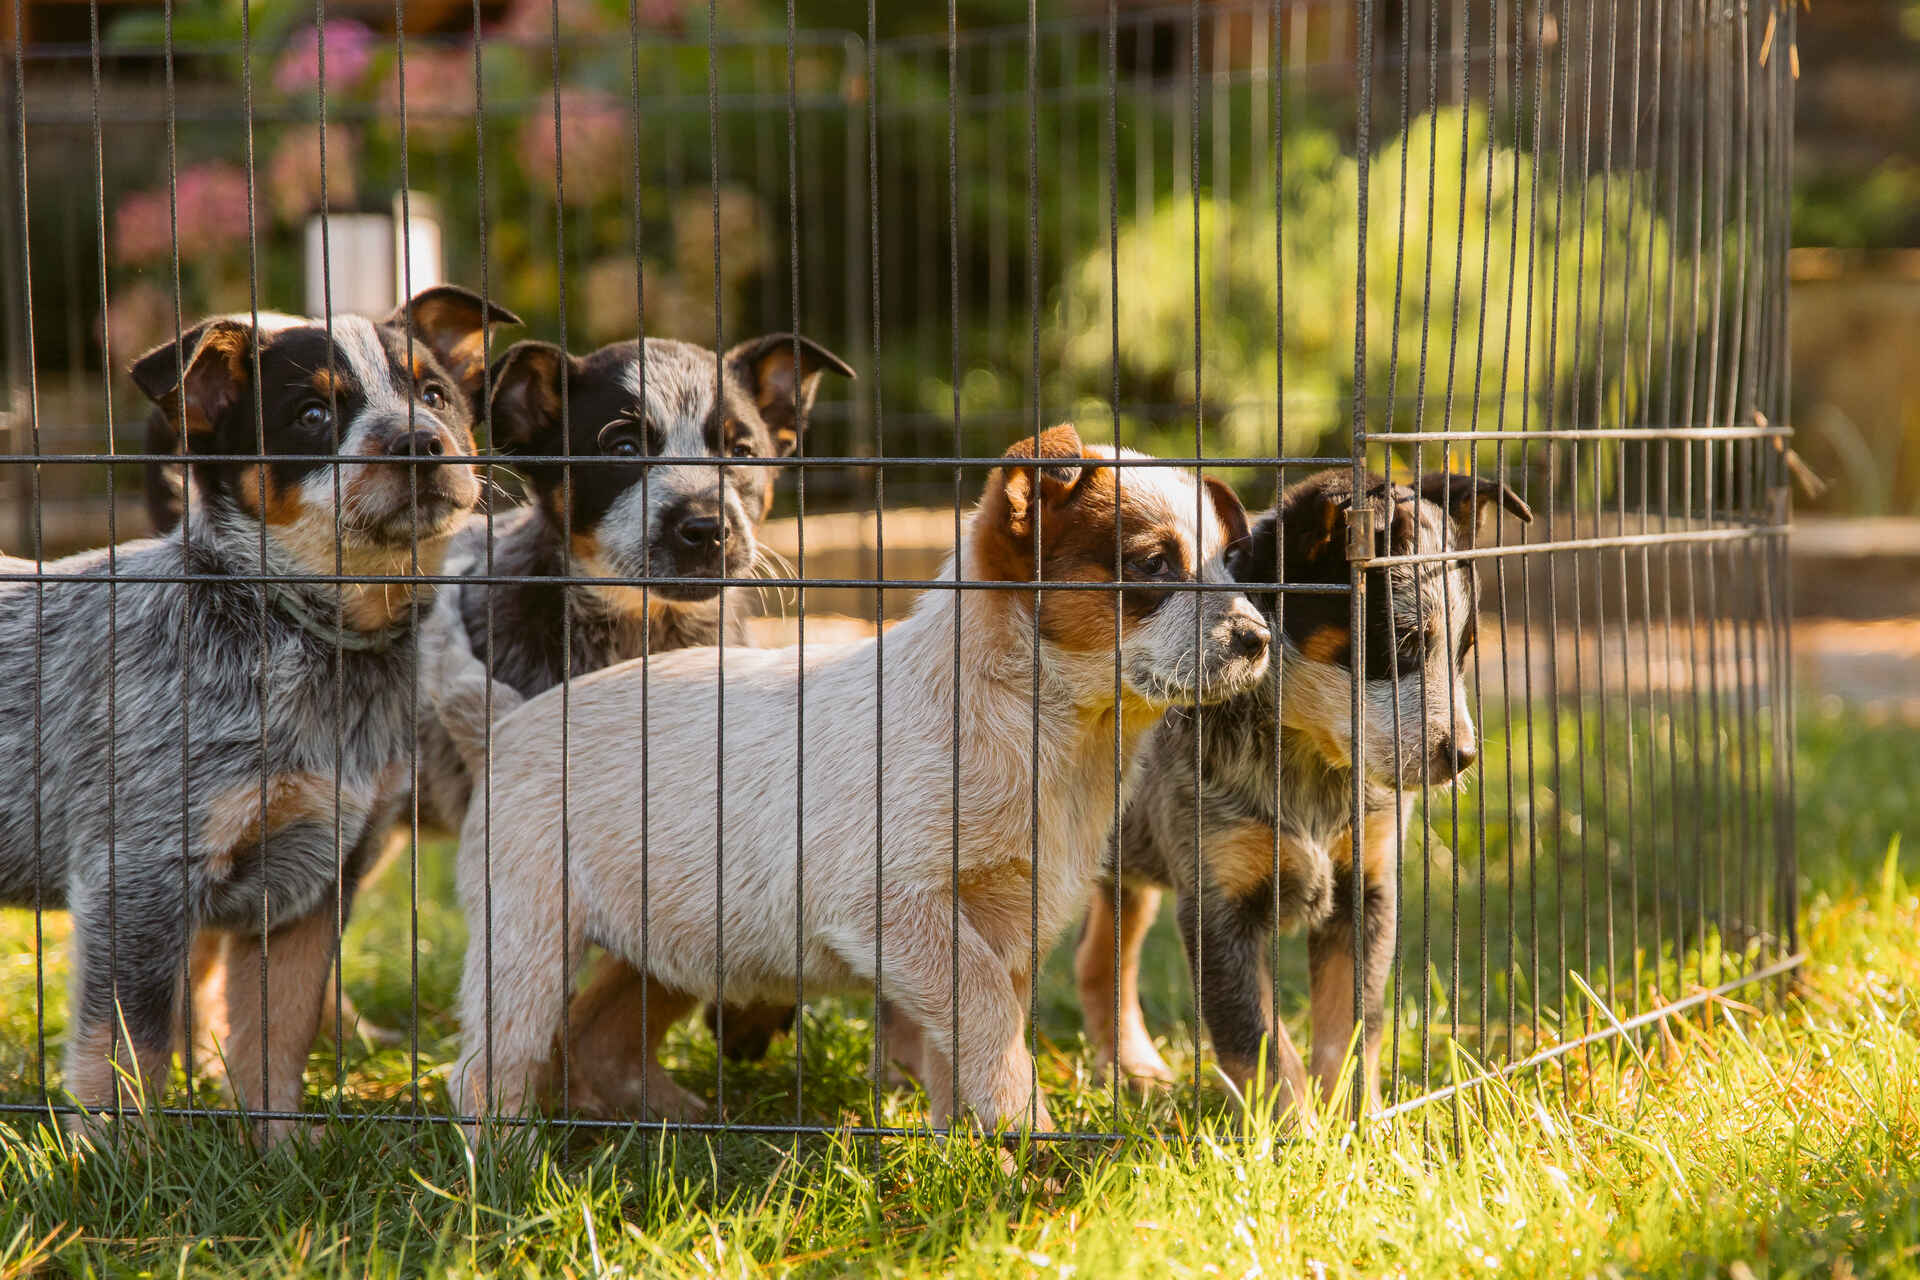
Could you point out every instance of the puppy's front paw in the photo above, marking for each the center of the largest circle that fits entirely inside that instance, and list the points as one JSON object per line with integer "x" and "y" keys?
{"x": 1140, "y": 1065}
{"x": 668, "y": 1101}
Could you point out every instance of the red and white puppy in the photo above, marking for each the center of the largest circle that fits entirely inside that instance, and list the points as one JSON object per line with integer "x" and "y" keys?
{"x": 654, "y": 880}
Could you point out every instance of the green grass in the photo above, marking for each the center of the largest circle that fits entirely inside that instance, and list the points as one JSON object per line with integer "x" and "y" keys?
{"x": 1782, "y": 1135}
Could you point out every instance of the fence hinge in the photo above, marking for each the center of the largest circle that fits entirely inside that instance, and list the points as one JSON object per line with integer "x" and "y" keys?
{"x": 1360, "y": 532}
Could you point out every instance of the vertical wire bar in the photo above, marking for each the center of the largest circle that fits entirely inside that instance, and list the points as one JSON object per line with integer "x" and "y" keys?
{"x": 959, "y": 562}
{"x": 1716, "y": 100}
{"x": 1110, "y": 142}
{"x": 566, "y": 567}
{"x": 1276, "y": 654}
{"x": 1463, "y": 40}
{"x": 1393, "y": 650}
{"x": 339, "y": 570}
{"x": 1039, "y": 563}
{"x": 260, "y": 443}
{"x": 413, "y": 595}
{"x": 1787, "y": 821}
{"x": 1575, "y": 558}
{"x": 720, "y": 633}
{"x": 40, "y": 556}
{"x": 1499, "y": 515}
{"x": 1526, "y": 408}
{"x": 1603, "y": 698}
{"x": 1696, "y": 749}
{"x": 1787, "y": 718}
{"x": 113, "y": 572}
{"x": 1553, "y": 584}
{"x": 1199, "y": 716}
{"x": 800, "y": 571}
{"x": 1669, "y": 348}
{"x": 879, "y": 564}
{"x": 1621, "y": 455}
{"x": 1356, "y": 574}
{"x": 186, "y": 517}
{"x": 1650, "y": 688}
{"x": 486, "y": 694}
{"x": 646, "y": 555}
{"x": 1747, "y": 410}
{"x": 1421, "y": 608}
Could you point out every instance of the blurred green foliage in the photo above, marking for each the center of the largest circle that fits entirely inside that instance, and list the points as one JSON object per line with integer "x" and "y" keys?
{"x": 1456, "y": 252}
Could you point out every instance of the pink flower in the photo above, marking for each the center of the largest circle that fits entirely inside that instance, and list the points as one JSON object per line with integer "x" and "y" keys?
{"x": 530, "y": 21}
{"x": 440, "y": 99}
{"x": 213, "y": 209}
{"x": 142, "y": 228}
{"x": 349, "y": 49}
{"x": 596, "y": 146}
{"x": 293, "y": 174}
{"x": 210, "y": 208}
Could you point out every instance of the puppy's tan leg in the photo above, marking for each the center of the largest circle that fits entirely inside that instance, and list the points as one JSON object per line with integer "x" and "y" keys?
{"x": 616, "y": 1026}
{"x": 1126, "y": 1044}
{"x": 203, "y": 1019}
{"x": 276, "y": 1035}
{"x": 921, "y": 954}
{"x": 1331, "y": 955}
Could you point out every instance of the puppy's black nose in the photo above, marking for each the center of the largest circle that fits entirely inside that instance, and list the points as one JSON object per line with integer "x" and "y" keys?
{"x": 702, "y": 531}
{"x": 1249, "y": 640}
{"x": 1451, "y": 757}
{"x": 417, "y": 444}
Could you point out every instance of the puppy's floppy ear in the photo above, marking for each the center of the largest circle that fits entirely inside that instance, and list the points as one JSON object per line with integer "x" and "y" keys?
{"x": 453, "y": 322}
{"x": 1465, "y": 497}
{"x": 1254, "y": 557}
{"x": 1053, "y": 461}
{"x": 1226, "y": 505}
{"x": 198, "y": 379}
{"x": 525, "y": 409}
{"x": 767, "y": 367}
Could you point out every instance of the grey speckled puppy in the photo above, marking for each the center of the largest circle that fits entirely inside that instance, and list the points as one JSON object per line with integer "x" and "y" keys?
{"x": 224, "y": 754}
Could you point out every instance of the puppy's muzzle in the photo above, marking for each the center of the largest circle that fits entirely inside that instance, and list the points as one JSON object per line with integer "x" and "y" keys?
{"x": 1248, "y": 639}
{"x": 1449, "y": 756}
{"x": 439, "y": 483}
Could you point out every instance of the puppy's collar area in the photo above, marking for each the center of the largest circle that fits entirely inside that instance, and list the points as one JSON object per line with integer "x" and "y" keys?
{"x": 288, "y": 599}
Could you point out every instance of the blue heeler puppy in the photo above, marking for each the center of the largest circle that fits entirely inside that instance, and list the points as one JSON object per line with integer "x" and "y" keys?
{"x": 226, "y": 753}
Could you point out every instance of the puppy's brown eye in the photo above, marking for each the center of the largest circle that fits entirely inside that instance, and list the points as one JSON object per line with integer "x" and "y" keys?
{"x": 316, "y": 417}
{"x": 1153, "y": 566}
{"x": 433, "y": 396}
{"x": 625, "y": 447}
{"x": 742, "y": 449}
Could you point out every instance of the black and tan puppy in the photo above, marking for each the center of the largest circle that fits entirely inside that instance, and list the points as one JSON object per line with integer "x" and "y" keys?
{"x": 1275, "y": 808}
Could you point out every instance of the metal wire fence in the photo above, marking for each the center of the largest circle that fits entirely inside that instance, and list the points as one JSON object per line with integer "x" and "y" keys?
{"x": 1294, "y": 246}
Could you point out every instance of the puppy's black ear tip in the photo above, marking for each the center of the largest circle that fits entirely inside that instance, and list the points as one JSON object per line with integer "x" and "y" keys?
{"x": 831, "y": 363}
{"x": 1064, "y": 474}
{"x": 488, "y": 310}
{"x": 1521, "y": 511}
{"x": 158, "y": 371}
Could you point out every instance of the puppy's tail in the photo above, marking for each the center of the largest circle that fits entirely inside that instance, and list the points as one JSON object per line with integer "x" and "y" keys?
{"x": 458, "y": 685}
